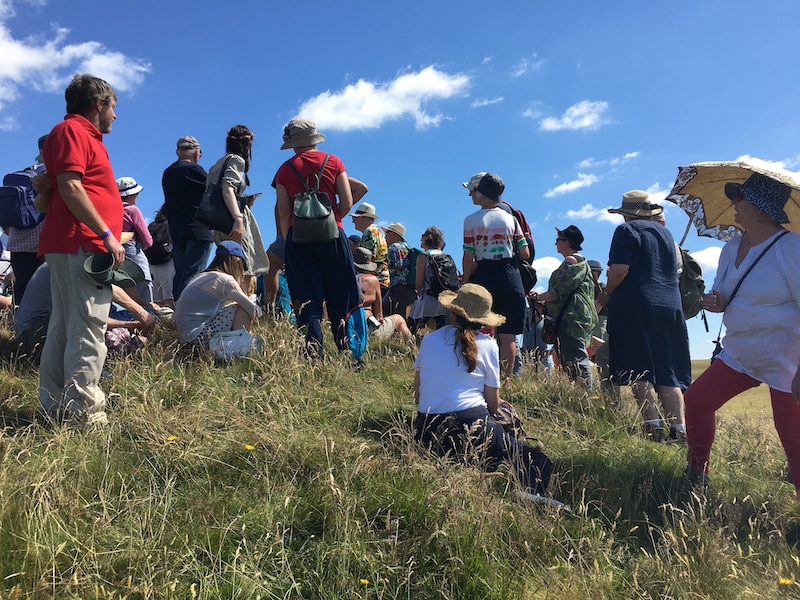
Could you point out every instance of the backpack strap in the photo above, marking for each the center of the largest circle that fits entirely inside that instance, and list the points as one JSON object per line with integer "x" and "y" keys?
{"x": 319, "y": 175}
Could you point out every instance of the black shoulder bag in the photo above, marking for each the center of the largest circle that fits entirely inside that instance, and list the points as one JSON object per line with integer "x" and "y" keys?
{"x": 212, "y": 210}
{"x": 718, "y": 341}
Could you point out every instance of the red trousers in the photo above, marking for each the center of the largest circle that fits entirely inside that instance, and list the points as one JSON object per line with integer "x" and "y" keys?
{"x": 718, "y": 384}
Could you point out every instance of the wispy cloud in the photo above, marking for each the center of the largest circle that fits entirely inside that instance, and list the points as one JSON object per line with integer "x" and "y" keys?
{"x": 368, "y": 104}
{"x": 592, "y": 213}
{"x": 621, "y": 160}
{"x": 582, "y": 181}
{"x": 591, "y": 163}
{"x": 486, "y": 59}
{"x": 534, "y": 111}
{"x": 481, "y": 102}
{"x": 48, "y": 65}
{"x": 583, "y": 115}
{"x": 527, "y": 65}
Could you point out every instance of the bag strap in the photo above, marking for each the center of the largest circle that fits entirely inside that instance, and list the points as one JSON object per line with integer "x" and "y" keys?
{"x": 746, "y": 273}
{"x": 318, "y": 175}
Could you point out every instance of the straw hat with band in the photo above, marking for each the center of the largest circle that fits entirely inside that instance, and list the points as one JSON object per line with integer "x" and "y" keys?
{"x": 474, "y": 303}
{"x": 365, "y": 209}
{"x": 635, "y": 204}
{"x": 396, "y": 228}
{"x": 765, "y": 193}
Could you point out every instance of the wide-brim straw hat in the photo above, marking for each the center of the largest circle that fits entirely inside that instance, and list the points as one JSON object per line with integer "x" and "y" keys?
{"x": 474, "y": 303}
{"x": 365, "y": 209}
{"x": 396, "y": 228}
{"x": 300, "y": 133}
{"x": 635, "y": 204}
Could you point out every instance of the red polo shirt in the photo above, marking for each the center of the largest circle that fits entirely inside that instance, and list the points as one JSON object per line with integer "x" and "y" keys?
{"x": 76, "y": 145}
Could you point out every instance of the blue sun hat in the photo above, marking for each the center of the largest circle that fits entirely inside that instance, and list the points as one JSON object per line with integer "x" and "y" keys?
{"x": 765, "y": 193}
{"x": 231, "y": 248}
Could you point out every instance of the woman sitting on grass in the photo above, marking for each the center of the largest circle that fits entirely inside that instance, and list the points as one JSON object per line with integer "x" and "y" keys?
{"x": 457, "y": 387}
{"x": 213, "y": 301}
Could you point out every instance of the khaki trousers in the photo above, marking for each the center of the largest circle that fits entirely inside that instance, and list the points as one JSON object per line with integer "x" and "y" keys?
{"x": 75, "y": 350}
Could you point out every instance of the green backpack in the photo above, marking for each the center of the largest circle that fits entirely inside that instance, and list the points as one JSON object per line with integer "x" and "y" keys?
{"x": 692, "y": 285}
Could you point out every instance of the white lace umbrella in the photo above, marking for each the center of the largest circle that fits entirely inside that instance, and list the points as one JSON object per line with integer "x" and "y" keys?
{"x": 700, "y": 192}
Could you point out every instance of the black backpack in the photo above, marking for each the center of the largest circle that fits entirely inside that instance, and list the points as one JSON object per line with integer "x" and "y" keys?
{"x": 161, "y": 250}
{"x": 16, "y": 199}
{"x": 692, "y": 285}
{"x": 445, "y": 274}
{"x": 413, "y": 253}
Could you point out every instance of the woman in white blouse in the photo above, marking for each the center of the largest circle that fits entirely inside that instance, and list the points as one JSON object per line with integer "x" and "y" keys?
{"x": 757, "y": 287}
{"x": 214, "y": 301}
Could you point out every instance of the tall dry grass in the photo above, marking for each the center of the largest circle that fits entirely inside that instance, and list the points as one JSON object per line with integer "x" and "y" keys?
{"x": 276, "y": 477}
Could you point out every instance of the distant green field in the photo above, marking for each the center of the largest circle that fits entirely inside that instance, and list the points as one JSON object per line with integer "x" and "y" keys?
{"x": 754, "y": 402}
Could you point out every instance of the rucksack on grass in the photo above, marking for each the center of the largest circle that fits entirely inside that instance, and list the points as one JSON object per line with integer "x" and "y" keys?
{"x": 445, "y": 274}
{"x": 691, "y": 285}
{"x": 16, "y": 199}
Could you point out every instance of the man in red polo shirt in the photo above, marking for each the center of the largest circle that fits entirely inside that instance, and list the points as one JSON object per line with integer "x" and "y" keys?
{"x": 84, "y": 216}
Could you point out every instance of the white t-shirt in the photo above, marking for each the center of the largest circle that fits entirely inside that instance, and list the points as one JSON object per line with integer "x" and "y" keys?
{"x": 492, "y": 233}
{"x": 762, "y": 323}
{"x": 445, "y": 384}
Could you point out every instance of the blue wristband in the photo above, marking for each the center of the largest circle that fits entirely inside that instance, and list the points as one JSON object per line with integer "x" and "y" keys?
{"x": 105, "y": 234}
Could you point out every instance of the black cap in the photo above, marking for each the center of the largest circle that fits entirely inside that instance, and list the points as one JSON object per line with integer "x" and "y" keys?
{"x": 491, "y": 186}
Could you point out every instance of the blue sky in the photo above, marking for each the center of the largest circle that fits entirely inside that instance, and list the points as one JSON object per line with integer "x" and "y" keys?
{"x": 571, "y": 103}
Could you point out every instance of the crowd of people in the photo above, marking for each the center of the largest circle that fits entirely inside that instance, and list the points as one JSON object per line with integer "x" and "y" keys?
{"x": 89, "y": 256}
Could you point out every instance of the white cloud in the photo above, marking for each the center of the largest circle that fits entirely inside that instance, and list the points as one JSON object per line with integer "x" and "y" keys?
{"x": 591, "y": 163}
{"x": 486, "y": 60}
{"x": 777, "y": 166}
{"x": 545, "y": 266}
{"x": 525, "y": 66}
{"x": 582, "y": 181}
{"x": 367, "y": 104}
{"x": 481, "y": 102}
{"x": 589, "y": 212}
{"x": 708, "y": 259}
{"x": 48, "y": 65}
{"x": 621, "y": 160}
{"x": 583, "y": 115}
{"x": 533, "y": 112}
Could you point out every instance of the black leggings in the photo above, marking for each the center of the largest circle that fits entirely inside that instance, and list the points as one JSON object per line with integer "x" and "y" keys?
{"x": 465, "y": 433}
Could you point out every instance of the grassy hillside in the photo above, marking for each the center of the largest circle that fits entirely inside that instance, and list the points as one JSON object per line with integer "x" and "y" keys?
{"x": 279, "y": 478}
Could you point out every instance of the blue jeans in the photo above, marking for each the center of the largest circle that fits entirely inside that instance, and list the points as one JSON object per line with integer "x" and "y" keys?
{"x": 190, "y": 258}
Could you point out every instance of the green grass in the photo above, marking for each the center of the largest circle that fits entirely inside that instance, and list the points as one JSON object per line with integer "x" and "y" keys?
{"x": 276, "y": 478}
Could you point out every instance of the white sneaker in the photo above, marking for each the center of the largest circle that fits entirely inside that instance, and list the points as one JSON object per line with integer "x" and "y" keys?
{"x": 543, "y": 500}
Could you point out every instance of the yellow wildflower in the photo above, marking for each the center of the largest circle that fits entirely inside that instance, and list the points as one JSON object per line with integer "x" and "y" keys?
{"x": 249, "y": 447}
{"x": 172, "y": 438}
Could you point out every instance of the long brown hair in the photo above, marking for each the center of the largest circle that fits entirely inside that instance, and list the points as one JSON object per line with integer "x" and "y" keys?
{"x": 232, "y": 265}
{"x": 240, "y": 142}
{"x": 466, "y": 343}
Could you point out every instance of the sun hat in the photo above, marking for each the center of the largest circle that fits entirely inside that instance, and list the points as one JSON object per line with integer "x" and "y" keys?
{"x": 595, "y": 265}
{"x": 362, "y": 257}
{"x": 188, "y": 142}
{"x": 765, "y": 193}
{"x": 474, "y": 303}
{"x": 635, "y": 204}
{"x": 491, "y": 186}
{"x": 100, "y": 267}
{"x": 573, "y": 235}
{"x": 396, "y": 228}
{"x": 127, "y": 186}
{"x": 42, "y": 140}
{"x": 365, "y": 210}
{"x": 231, "y": 248}
{"x": 474, "y": 181}
{"x": 300, "y": 133}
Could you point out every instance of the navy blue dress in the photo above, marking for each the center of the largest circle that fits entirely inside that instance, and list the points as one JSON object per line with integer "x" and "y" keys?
{"x": 647, "y": 334}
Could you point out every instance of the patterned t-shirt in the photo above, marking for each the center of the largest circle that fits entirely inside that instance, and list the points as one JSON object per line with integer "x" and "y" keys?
{"x": 399, "y": 264}
{"x": 492, "y": 233}
{"x": 374, "y": 240}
